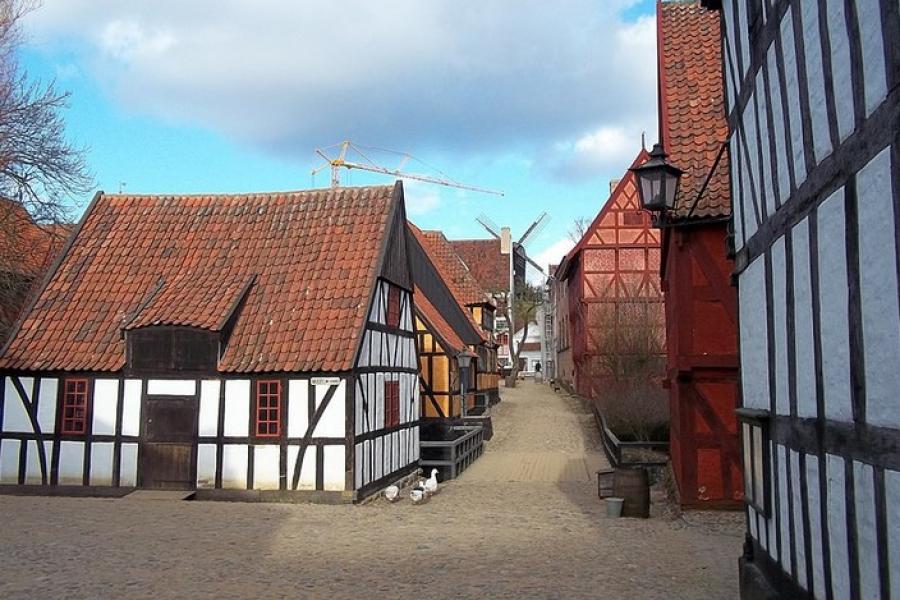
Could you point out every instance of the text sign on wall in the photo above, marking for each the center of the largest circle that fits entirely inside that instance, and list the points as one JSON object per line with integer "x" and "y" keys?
{"x": 325, "y": 380}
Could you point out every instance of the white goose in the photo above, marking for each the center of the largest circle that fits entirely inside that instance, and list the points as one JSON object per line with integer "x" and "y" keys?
{"x": 392, "y": 493}
{"x": 431, "y": 484}
{"x": 418, "y": 495}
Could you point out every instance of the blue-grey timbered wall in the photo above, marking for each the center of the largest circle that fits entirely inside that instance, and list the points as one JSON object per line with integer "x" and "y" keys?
{"x": 383, "y": 450}
{"x": 812, "y": 88}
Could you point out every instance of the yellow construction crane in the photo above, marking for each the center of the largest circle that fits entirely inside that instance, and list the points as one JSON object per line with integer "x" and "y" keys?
{"x": 364, "y": 163}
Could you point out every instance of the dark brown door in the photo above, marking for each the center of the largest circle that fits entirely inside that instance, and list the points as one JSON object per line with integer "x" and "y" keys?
{"x": 168, "y": 455}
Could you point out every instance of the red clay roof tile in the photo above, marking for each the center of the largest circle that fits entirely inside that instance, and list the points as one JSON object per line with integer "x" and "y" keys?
{"x": 26, "y": 248}
{"x": 693, "y": 105}
{"x": 485, "y": 262}
{"x": 453, "y": 272}
{"x": 314, "y": 255}
{"x": 452, "y": 268}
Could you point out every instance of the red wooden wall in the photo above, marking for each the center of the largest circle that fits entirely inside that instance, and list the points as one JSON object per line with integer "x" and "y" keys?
{"x": 616, "y": 259}
{"x": 702, "y": 366}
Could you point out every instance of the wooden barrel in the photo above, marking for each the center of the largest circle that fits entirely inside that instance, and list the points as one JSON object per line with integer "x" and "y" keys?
{"x": 633, "y": 486}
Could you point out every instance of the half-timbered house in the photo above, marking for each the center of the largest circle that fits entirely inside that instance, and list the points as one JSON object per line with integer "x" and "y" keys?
{"x": 253, "y": 342}
{"x": 701, "y": 303}
{"x": 813, "y": 107}
{"x": 446, "y": 331}
{"x": 490, "y": 262}
{"x": 610, "y": 274}
{"x": 564, "y": 373}
{"x": 480, "y": 304}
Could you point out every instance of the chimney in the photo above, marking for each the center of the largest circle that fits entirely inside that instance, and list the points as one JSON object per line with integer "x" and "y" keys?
{"x": 505, "y": 240}
{"x": 612, "y": 184}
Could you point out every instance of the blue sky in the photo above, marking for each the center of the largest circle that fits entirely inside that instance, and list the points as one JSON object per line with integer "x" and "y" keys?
{"x": 545, "y": 104}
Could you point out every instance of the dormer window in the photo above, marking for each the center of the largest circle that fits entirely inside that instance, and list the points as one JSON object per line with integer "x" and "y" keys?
{"x": 487, "y": 319}
{"x": 185, "y": 324}
{"x": 167, "y": 348}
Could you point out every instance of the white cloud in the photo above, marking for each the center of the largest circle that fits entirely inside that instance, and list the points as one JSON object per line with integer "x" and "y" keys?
{"x": 406, "y": 74}
{"x": 127, "y": 41}
{"x": 551, "y": 255}
{"x": 612, "y": 144}
{"x": 420, "y": 198}
{"x": 604, "y": 147}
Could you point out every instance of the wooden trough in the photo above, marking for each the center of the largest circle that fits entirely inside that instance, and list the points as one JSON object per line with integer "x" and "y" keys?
{"x": 630, "y": 454}
{"x": 452, "y": 456}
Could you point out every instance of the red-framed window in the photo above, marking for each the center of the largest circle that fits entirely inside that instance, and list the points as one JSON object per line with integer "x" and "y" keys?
{"x": 391, "y": 403}
{"x": 74, "y": 414}
{"x": 268, "y": 408}
{"x": 393, "y": 307}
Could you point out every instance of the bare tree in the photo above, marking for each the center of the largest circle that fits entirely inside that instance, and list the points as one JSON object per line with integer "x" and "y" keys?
{"x": 42, "y": 174}
{"x": 627, "y": 366}
{"x": 39, "y": 167}
{"x": 528, "y": 300}
{"x": 579, "y": 228}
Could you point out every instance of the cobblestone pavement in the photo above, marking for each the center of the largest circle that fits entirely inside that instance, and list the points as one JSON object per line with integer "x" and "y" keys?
{"x": 496, "y": 533}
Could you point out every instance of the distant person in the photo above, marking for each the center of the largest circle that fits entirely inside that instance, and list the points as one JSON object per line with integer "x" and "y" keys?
{"x": 537, "y": 367}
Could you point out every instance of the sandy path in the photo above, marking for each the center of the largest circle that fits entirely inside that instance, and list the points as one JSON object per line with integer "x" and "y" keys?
{"x": 541, "y": 535}
{"x": 539, "y": 436}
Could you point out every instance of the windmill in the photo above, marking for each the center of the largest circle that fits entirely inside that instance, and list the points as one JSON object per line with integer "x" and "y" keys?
{"x": 518, "y": 257}
{"x": 519, "y": 254}
{"x": 347, "y": 149}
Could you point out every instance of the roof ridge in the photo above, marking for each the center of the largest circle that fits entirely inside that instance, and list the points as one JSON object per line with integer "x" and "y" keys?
{"x": 307, "y": 192}
{"x": 314, "y": 268}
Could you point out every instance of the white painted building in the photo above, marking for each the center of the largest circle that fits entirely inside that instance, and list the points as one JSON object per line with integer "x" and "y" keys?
{"x": 813, "y": 104}
{"x": 246, "y": 342}
{"x": 529, "y": 349}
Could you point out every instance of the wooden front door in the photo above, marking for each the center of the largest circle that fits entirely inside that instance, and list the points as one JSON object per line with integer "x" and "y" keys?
{"x": 168, "y": 455}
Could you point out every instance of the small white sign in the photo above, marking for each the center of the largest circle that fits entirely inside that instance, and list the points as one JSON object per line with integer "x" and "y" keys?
{"x": 326, "y": 380}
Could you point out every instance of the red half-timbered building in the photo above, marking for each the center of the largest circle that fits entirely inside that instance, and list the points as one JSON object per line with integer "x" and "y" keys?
{"x": 616, "y": 261}
{"x": 701, "y": 304}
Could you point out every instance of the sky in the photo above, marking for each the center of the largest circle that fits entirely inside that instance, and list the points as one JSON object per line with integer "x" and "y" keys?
{"x": 545, "y": 101}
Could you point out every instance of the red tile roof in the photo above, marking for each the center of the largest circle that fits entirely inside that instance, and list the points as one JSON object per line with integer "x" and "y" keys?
{"x": 453, "y": 272}
{"x": 485, "y": 262}
{"x": 204, "y": 301}
{"x": 436, "y": 323}
{"x": 26, "y": 248}
{"x": 137, "y": 259}
{"x": 692, "y": 105}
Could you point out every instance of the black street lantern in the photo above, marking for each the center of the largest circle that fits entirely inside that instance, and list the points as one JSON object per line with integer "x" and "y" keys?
{"x": 465, "y": 362}
{"x": 657, "y": 181}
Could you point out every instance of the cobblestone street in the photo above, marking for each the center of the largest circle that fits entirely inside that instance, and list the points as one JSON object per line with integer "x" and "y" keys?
{"x": 523, "y": 522}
